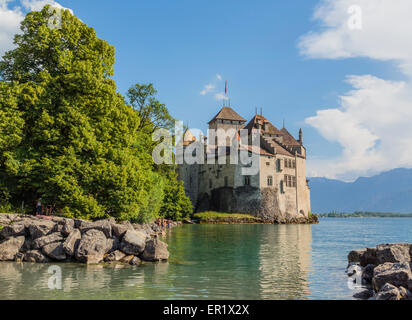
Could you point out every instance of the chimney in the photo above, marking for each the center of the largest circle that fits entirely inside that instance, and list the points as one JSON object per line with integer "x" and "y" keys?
{"x": 300, "y": 136}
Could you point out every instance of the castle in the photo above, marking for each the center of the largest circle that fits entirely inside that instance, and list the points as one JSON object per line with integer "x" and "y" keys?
{"x": 277, "y": 192}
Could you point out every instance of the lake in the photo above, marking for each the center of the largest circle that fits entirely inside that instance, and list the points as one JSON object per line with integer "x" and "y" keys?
{"x": 223, "y": 262}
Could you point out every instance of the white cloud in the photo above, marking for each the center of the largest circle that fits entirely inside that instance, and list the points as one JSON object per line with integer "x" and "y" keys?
{"x": 9, "y": 25}
{"x": 208, "y": 88}
{"x": 373, "y": 121}
{"x": 221, "y": 96}
{"x": 10, "y": 19}
{"x": 211, "y": 89}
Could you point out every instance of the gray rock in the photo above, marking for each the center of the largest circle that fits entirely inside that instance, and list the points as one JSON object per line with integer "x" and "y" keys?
{"x": 369, "y": 257}
{"x": 127, "y": 259}
{"x": 10, "y": 248}
{"x": 367, "y": 274}
{"x": 120, "y": 229}
{"x": 59, "y": 220}
{"x": 41, "y": 228}
{"x": 55, "y": 251}
{"x": 13, "y": 230}
{"x": 133, "y": 242}
{"x": 113, "y": 244}
{"x": 155, "y": 250}
{"x": 390, "y": 292}
{"x": 355, "y": 255}
{"x": 115, "y": 256}
{"x": 28, "y": 245}
{"x": 104, "y": 225}
{"x": 72, "y": 242}
{"x": 92, "y": 247}
{"x": 146, "y": 228}
{"x": 364, "y": 294}
{"x": 45, "y": 240}
{"x": 68, "y": 227}
{"x": 397, "y": 274}
{"x": 135, "y": 261}
{"x": 398, "y": 252}
{"x": 4, "y": 220}
{"x": 35, "y": 256}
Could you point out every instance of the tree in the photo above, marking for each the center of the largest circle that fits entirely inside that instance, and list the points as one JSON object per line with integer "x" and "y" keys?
{"x": 153, "y": 114}
{"x": 176, "y": 205}
{"x": 75, "y": 142}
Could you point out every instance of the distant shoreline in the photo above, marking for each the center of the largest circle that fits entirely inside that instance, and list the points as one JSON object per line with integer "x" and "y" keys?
{"x": 365, "y": 215}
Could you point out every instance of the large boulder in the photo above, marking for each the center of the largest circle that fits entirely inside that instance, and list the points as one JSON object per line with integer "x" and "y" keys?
{"x": 119, "y": 229}
{"x": 135, "y": 261}
{"x": 397, "y": 274}
{"x": 45, "y": 240}
{"x": 41, "y": 228}
{"x": 355, "y": 255}
{"x": 398, "y": 252}
{"x": 133, "y": 242}
{"x": 92, "y": 247}
{"x": 364, "y": 294}
{"x": 369, "y": 257}
{"x": 13, "y": 230}
{"x": 55, "y": 251}
{"x": 145, "y": 228}
{"x": 112, "y": 244}
{"x": 390, "y": 292}
{"x": 72, "y": 242}
{"x": 35, "y": 256}
{"x": 68, "y": 227}
{"x": 4, "y": 220}
{"x": 10, "y": 248}
{"x": 104, "y": 226}
{"x": 367, "y": 274}
{"x": 155, "y": 250}
{"x": 114, "y": 256}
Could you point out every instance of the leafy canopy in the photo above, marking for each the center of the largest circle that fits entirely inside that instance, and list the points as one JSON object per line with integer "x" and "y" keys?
{"x": 67, "y": 136}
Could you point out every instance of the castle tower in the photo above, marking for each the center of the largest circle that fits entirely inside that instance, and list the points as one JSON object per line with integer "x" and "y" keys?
{"x": 227, "y": 119}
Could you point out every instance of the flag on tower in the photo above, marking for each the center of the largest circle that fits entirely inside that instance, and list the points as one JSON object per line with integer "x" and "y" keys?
{"x": 226, "y": 87}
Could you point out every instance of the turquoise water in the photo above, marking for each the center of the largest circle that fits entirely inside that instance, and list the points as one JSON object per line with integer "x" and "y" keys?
{"x": 222, "y": 262}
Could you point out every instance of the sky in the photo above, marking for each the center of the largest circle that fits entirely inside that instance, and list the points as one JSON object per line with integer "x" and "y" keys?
{"x": 339, "y": 69}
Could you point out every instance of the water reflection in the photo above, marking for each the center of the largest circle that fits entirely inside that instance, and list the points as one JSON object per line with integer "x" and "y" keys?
{"x": 208, "y": 262}
{"x": 285, "y": 260}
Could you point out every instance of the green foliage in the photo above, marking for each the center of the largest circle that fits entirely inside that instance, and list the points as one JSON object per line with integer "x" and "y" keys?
{"x": 68, "y": 137}
{"x": 153, "y": 114}
{"x": 176, "y": 205}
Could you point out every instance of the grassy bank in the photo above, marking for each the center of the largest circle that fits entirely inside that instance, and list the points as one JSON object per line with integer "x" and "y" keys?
{"x": 226, "y": 218}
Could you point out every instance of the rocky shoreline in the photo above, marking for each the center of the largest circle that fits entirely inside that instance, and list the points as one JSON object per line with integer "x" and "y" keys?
{"x": 42, "y": 239}
{"x": 384, "y": 271}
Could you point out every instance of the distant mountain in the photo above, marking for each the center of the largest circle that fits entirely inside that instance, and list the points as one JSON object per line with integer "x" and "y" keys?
{"x": 389, "y": 191}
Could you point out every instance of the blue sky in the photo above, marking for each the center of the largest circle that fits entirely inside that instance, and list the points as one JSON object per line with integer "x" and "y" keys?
{"x": 182, "y": 45}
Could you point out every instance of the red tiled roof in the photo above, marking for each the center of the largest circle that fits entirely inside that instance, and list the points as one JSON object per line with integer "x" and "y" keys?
{"x": 270, "y": 128}
{"x": 281, "y": 150}
{"x": 227, "y": 113}
{"x": 288, "y": 139}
